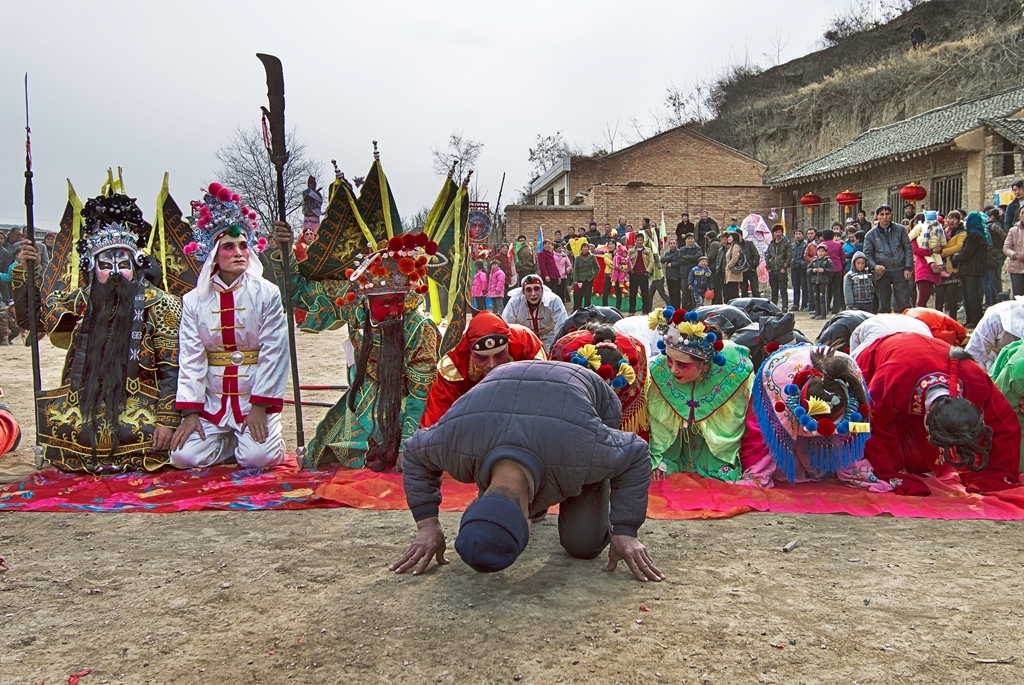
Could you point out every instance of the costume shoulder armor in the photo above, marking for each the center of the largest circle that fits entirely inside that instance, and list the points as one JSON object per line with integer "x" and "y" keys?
{"x": 447, "y": 370}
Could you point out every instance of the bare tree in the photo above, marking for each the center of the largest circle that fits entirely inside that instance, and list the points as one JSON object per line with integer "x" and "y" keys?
{"x": 415, "y": 222}
{"x": 246, "y": 169}
{"x": 777, "y": 44}
{"x": 461, "y": 151}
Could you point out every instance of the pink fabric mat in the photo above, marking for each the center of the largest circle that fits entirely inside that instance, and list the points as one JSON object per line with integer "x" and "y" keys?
{"x": 686, "y": 496}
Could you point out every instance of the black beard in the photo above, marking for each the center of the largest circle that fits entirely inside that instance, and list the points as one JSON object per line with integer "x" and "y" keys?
{"x": 108, "y": 324}
{"x": 387, "y": 407}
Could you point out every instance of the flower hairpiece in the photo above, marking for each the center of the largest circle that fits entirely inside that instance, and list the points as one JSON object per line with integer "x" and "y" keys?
{"x": 684, "y": 331}
{"x": 587, "y": 355}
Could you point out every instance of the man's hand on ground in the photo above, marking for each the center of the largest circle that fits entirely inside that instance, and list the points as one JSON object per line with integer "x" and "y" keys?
{"x": 189, "y": 425}
{"x": 429, "y": 542}
{"x": 629, "y": 549}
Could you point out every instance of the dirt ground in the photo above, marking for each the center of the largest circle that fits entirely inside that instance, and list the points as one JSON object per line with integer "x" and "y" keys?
{"x": 306, "y": 597}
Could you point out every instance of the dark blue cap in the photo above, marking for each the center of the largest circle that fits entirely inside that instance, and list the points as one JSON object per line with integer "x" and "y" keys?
{"x": 493, "y": 533}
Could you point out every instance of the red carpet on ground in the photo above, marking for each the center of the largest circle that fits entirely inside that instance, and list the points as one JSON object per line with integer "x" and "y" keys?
{"x": 681, "y": 496}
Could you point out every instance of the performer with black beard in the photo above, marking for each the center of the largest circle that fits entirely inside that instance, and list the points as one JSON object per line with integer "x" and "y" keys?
{"x": 394, "y": 345}
{"x": 114, "y": 411}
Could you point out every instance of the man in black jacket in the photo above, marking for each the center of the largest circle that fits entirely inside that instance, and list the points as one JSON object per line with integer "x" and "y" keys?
{"x": 593, "y": 235}
{"x": 798, "y": 270}
{"x": 671, "y": 260}
{"x": 714, "y": 249}
{"x": 889, "y": 254}
{"x": 690, "y": 254}
{"x": 705, "y": 224}
{"x": 509, "y": 435}
{"x": 685, "y": 226}
{"x": 1013, "y": 209}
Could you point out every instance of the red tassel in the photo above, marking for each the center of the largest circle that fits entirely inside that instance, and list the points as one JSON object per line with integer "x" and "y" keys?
{"x": 771, "y": 347}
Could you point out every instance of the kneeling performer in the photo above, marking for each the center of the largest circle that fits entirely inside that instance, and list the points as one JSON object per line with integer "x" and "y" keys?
{"x": 234, "y": 345}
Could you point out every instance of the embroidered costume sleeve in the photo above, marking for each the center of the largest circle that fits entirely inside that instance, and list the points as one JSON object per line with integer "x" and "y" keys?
{"x": 319, "y": 298}
{"x": 60, "y": 313}
{"x": 449, "y": 386}
{"x": 270, "y": 376}
{"x": 160, "y": 345}
{"x": 192, "y": 365}
{"x": 421, "y": 345}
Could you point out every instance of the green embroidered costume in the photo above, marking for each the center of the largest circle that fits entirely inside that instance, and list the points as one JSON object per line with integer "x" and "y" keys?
{"x": 344, "y": 435}
{"x": 697, "y": 427}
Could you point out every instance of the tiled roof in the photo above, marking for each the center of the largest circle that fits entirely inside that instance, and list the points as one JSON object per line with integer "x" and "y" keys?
{"x": 1011, "y": 129}
{"x": 932, "y": 129}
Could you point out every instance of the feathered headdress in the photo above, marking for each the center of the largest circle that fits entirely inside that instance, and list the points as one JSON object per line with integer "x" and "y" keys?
{"x": 220, "y": 212}
{"x": 112, "y": 221}
{"x": 684, "y": 331}
{"x": 400, "y": 266}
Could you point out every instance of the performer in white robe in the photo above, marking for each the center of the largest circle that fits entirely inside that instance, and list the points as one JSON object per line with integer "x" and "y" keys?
{"x": 1001, "y": 325}
{"x": 233, "y": 346}
{"x": 536, "y": 307}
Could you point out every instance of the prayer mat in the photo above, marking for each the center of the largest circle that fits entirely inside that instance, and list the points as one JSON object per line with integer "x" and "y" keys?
{"x": 688, "y": 496}
{"x": 169, "y": 490}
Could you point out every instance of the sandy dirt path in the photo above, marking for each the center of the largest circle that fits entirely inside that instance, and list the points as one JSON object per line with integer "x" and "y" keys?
{"x": 306, "y": 597}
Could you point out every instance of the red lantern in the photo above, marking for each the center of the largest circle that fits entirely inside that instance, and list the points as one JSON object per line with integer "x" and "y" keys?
{"x": 847, "y": 199}
{"x": 913, "y": 193}
{"x": 810, "y": 201}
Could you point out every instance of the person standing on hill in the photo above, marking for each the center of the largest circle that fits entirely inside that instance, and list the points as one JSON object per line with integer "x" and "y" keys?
{"x": 917, "y": 35}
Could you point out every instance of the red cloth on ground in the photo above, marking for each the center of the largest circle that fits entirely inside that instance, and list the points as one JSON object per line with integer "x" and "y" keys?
{"x": 522, "y": 345}
{"x": 896, "y": 369}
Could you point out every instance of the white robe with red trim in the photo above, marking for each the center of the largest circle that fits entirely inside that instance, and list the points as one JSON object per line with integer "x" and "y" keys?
{"x": 245, "y": 316}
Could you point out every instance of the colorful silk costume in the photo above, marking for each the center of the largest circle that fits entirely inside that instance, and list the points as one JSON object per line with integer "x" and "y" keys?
{"x": 1008, "y": 375}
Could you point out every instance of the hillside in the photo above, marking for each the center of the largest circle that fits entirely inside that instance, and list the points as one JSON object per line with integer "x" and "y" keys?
{"x": 803, "y": 108}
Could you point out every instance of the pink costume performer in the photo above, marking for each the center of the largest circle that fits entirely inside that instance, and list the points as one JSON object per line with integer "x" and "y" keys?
{"x": 808, "y": 419}
{"x": 234, "y": 344}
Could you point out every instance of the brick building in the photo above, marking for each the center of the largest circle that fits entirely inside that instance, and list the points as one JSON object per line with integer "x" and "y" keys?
{"x": 675, "y": 171}
{"x": 962, "y": 153}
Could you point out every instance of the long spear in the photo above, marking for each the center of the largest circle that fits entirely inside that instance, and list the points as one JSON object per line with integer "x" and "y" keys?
{"x": 279, "y": 156}
{"x": 30, "y": 233}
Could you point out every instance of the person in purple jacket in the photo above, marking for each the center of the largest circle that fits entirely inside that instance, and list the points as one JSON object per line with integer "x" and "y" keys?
{"x": 835, "y": 296}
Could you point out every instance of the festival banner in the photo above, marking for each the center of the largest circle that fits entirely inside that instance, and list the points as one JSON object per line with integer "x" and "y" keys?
{"x": 171, "y": 233}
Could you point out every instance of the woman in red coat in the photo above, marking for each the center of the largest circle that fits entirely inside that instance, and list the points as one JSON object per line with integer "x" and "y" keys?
{"x": 487, "y": 343}
{"x": 934, "y": 410}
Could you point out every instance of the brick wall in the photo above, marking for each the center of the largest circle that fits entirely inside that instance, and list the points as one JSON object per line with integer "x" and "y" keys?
{"x": 995, "y": 179}
{"x": 527, "y": 219}
{"x": 612, "y": 201}
{"x": 678, "y": 157}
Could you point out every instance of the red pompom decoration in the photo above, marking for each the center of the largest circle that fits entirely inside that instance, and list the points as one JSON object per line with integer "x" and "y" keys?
{"x": 224, "y": 195}
{"x": 430, "y": 248}
{"x": 406, "y": 265}
{"x": 340, "y": 301}
{"x": 826, "y": 427}
{"x": 244, "y": 210}
{"x": 780, "y": 406}
{"x": 395, "y": 243}
{"x": 235, "y": 197}
{"x": 414, "y": 277}
{"x": 678, "y": 316}
{"x": 422, "y": 239}
{"x": 606, "y": 372}
{"x": 718, "y": 345}
{"x": 350, "y": 297}
{"x": 771, "y": 347}
{"x": 214, "y": 188}
{"x": 348, "y": 273}
{"x": 863, "y": 409}
{"x": 633, "y": 361}
{"x": 409, "y": 241}
{"x": 422, "y": 289}
{"x": 421, "y": 260}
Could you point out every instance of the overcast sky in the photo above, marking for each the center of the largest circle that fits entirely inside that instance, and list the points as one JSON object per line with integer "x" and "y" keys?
{"x": 157, "y": 87}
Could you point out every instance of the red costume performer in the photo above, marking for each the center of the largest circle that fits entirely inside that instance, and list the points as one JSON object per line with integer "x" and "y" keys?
{"x": 10, "y": 433}
{"x": 487, "y": 342}
{"x": 906, "y": 373}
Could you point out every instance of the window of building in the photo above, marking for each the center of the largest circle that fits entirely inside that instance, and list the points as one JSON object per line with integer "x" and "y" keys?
{"x": 947, "y": 194}
{"x": 561, "y": 196}
{"x": 894, "y": 200}
{"x": 1009, "y": 168}
{"x": 550, "y": 196}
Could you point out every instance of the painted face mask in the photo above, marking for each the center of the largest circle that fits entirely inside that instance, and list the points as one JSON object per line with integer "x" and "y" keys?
{"x": 118, "y": 260}
{"x": 386, "y": 307}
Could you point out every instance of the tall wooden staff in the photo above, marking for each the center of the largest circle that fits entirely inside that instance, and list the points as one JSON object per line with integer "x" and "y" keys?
{"x": 30, "y": 233}
{"x": 279, "y": 156}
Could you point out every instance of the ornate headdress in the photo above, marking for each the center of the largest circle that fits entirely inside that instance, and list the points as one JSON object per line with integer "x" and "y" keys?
{"x": 112, "y": 221}
{"x": 220, "y": 212}
{"x": 684, "y": 331}
{"x": 400, "y": 266}
{"x": 621, "y": 376}
{"x": 814, "y": 393}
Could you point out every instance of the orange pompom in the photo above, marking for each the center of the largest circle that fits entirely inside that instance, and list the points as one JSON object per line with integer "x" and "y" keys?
{"x": 406, "y": 265}
{"x": 421, "y": 260}
{"x": 349, "y": 272}
{"x": 340, "y": 301}
{"x": 350, "y": 297}
{"x": 413, "y": 277}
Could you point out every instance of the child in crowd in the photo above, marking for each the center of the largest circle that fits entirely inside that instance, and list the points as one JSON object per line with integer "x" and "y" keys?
{"x": 820, "y": 271}
{"x": 700, "y": 282}
{"x": 496, "y": 287}
{"x": 479, "y": 290}
{"x": 859, "y": 284}
{"x": 620, "y": 273}
{"x": 930, "y": 235}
